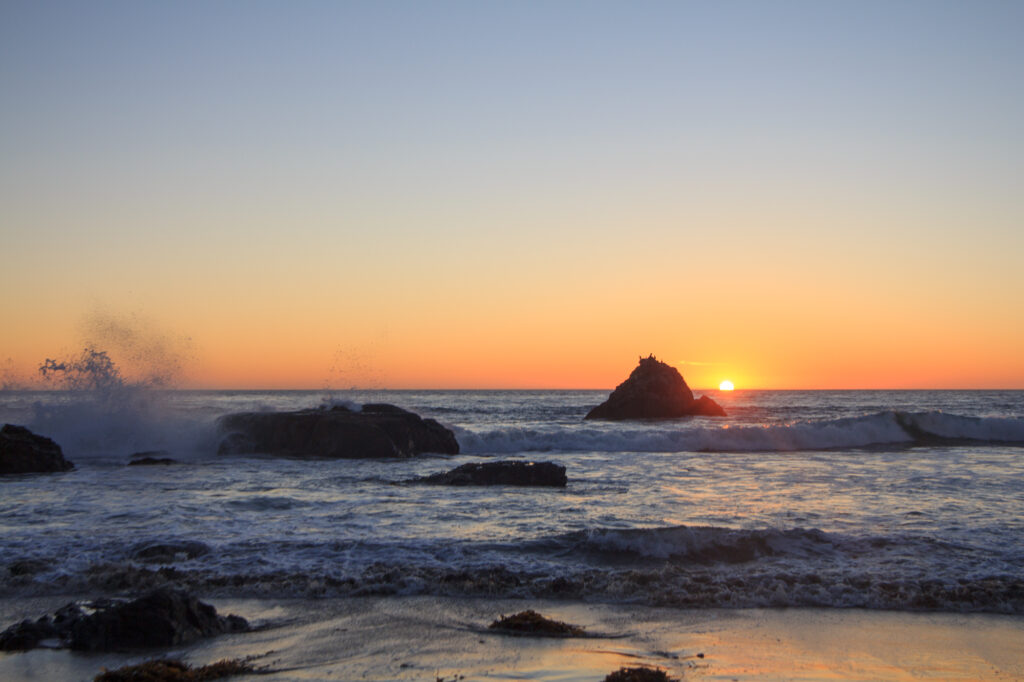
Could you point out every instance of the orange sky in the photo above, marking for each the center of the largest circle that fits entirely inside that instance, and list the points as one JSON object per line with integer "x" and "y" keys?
{"x": 793, "y": 196}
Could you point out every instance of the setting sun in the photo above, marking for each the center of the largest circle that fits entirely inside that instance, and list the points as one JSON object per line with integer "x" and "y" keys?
{"x": 725, "y": 386}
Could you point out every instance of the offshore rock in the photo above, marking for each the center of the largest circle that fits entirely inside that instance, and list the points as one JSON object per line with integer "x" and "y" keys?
{"x": 377, "y": 430}
{"x": 162, "y": 618}
{"x": 654, "y": 390}
{"x": 23, "y": 452}
{"x": 506, "y": 472}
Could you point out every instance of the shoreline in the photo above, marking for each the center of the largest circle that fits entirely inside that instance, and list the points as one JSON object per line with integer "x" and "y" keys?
{"x": 423, "y": 638}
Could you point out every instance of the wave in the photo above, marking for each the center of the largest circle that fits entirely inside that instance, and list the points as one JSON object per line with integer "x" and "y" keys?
{"x": 882, "y": 428}
{"x": 688, "y": 567}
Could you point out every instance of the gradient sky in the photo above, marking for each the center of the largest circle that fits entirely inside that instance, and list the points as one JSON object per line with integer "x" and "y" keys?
{"x": 521, "y": 194}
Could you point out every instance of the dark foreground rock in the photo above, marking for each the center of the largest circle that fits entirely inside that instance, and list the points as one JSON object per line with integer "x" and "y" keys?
{"x": 505, "y": 472}
{"x": 160, "y": 619}
{"x": 654, "y": 390}
{"x": 375, "y": 431}
{"x": 23, "y": 452}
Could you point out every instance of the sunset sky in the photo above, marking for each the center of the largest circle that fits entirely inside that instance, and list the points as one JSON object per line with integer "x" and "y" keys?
{"x": 520, "y": 194}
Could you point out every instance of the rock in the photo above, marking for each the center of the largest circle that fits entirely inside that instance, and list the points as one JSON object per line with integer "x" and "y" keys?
{"x": 501, "y": 473}
{"x": 654, "y": 390}
{"x": 162, "y": 618}
{"x": 168, "y": 552}
{"x": 23, "y": 452}
{"x": 375, "y": 431}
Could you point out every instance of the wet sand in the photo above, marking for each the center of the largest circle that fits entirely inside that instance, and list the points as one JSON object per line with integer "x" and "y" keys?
{"x": 423, "y": 638}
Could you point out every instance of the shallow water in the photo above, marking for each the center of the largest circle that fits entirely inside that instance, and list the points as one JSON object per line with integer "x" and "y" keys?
{"x": 907, "y": 500}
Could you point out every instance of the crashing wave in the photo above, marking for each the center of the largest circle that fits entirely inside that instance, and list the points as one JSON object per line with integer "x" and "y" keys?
{"x": 882, "y": 428}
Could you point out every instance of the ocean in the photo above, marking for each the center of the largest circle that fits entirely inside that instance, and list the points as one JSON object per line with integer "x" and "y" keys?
{"x": 898, "y": 500}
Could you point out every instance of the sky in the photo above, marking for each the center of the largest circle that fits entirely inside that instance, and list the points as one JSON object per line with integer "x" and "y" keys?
{"x": 516, "y": 194}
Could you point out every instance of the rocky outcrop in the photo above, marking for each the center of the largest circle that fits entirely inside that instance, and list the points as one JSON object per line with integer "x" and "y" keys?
{"x": 23, "y": 452}
{"x": 510, "y": 472}
{"x": 654, "y": 390}
{"x": 160, "y": 619}
{"x": 374, "y": 431}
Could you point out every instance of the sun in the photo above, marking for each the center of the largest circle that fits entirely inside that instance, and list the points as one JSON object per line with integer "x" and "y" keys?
{"x": 725, "y": 386}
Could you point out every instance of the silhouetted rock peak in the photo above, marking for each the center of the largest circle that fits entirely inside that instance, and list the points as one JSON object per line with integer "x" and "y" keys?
{"x": 654, "y": 390}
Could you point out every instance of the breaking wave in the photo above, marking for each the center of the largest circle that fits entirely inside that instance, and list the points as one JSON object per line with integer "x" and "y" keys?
{"x": 691, "y": 567}
{"x": 882, "y": 428}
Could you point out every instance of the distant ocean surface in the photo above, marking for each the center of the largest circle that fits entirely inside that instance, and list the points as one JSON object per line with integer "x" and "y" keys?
{"x": 909, "y": 500}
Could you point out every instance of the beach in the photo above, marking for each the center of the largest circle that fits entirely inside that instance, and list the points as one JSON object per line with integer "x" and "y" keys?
{"x": 423, "y": 638}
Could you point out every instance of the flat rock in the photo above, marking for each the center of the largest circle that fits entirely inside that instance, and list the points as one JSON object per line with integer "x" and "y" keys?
{"x": 505, "y": 472}
{"x": 377, "y": 430}
{"x": 23, "y": 452}
{"x": 654, "y": 390}
{"x": 162, "y": 618}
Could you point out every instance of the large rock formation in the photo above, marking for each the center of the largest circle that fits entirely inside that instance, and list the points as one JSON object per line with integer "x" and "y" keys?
{"x": 376, "y": 430}
{"x": 654, "y": 390}
{"x": 162, "y": 618}
{"x": 23, "y": 452}
{"x": 505, "y": 472}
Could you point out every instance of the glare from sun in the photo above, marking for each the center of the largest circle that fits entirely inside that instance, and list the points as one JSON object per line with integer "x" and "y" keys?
{"x": 725, "y": 386}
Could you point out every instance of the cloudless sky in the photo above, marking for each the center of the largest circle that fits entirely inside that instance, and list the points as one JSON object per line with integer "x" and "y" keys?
{"x": 520, "y": 194}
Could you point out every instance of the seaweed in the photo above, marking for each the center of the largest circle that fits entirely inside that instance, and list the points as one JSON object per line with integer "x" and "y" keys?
{"x": 639, "y": 675}
{"x": 530, "y": 622}
{"x": 171, "y": 670}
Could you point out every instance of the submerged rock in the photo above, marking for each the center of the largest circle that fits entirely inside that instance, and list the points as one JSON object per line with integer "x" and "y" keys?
{"x": 168, "y": 552}
{"x": 654, "y": 390}
{"x": 505, "y": 472}
{"x": 23, "y": 452}
{"x": 375, "y": 431}
{"x": 150, "y": 458}
{"x": 160, "y": 619}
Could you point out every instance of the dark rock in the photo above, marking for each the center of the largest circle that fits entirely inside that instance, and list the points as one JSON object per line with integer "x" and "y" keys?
{"x": 23, "y": 452}
{"x": 168, "y": 552}
{"x": 501, "y": 473}
{"x": 377, "y": 430}
{"x": 162, "y": 618}
{"x": 654, "y": 390}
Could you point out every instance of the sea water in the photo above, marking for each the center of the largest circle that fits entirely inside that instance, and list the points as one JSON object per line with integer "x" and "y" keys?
{"x": 909, "y": 500}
